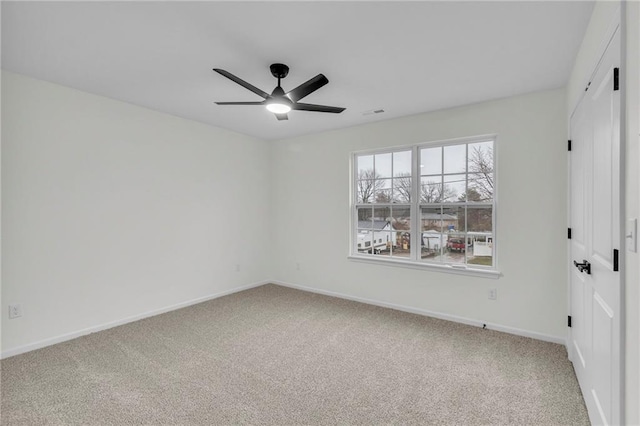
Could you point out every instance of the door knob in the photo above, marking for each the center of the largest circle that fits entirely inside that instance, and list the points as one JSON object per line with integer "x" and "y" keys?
{"x": 583, "y": 267}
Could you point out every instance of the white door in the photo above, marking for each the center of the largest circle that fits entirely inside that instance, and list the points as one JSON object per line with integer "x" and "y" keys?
{"x": 595, "y": 285}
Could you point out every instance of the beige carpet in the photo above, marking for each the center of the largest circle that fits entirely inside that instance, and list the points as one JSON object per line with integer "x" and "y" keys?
{"x": 277, "y": 356}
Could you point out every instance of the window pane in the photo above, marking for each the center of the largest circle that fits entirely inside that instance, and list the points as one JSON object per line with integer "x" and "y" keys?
{"x": 479, "y": 220}
{"x": 401, "y": 218}
{"x": 431, "y": 218}
{"x": 363, "y": 240}
{"x": 481, "y": 157}
{"x": 381, "y": 215}
{"x": 431, "y": 161}
{"x": 455, "y": 159}
{"x": 480, "y": 187}
{"x": 364, "y": 214}
{"x": 454, "y": 188}
{"x": 481, "y": 252}
{"x": 480, "y": 234}
{"x": 365, "y": 191}
{"x": 402, "y": 246}
{"x": 453, "y": 219}
{"x": 431, "y": 189}
{"x": 402, "y": 189}
{"x": 432, "y": 237}
{"x": 455, "y": 250}
{"x": 382, "y": 243}
{"x": 383, "y": 191}
{"x": 432, "y": 244}
{"x": 402, "y": 163}
{"x": 453, "y": 224}
{"x": 383, "y": 165}
{"x": 374, "y": 233}
{"x": 481, "y": 171}
{"x": 365, "y": 166}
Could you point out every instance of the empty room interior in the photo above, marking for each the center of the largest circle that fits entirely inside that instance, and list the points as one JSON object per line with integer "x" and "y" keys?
{"x": 325, "y": 212}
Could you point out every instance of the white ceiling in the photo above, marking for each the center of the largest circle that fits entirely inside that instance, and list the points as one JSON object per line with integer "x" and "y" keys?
{"x": 404, "y": 57}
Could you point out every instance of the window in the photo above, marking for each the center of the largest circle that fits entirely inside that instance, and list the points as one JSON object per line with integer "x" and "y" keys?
{"x": 430, "y": 204}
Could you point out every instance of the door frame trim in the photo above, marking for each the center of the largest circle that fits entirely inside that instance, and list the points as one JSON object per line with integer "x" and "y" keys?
{"x": 617, "y": 24}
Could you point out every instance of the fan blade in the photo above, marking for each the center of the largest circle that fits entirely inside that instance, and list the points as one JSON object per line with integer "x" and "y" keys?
{"x": 240, "y": 103}
{"x": 281, "y": 117}
{"x": 317, "y": 108}
{"x": 307, "y": 87}
{"x": 242, "y": 83}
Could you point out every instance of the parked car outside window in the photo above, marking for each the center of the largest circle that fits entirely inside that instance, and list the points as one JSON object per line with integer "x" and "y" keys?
{"x": 456, "y": 244}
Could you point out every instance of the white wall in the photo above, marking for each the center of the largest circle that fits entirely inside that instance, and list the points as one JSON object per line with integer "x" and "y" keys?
{"x": 111, "y": 210}
{"x": 598, "y": 32}
{"x": 311, "y": 203}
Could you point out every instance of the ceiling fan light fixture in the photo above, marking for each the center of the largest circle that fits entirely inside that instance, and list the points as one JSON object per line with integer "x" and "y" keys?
{"x": 279, "y": 102}
{"x": 278, "y": 108}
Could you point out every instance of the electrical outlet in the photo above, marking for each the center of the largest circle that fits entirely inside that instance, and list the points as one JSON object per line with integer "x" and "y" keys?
{"x": 238, "y": 267}
{"x": 297, "y": 266}
{"x": 15, "y": 311}
{"x": 493, "y": 293}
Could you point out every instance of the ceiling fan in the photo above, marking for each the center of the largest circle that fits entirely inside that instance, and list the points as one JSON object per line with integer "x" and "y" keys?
{"x": 279, "y": 102}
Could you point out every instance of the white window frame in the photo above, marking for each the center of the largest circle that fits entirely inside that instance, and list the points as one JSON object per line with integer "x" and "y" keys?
{"x": 415, "y": 261}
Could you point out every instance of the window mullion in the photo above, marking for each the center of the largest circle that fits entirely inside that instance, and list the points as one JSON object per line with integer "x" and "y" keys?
{"x": 466, "y": 205}
{"x": 415, "y": 203}
{"x": 354, "y": 205}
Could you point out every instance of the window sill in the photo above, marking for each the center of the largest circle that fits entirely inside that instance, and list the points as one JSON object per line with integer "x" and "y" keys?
{"x": 460, "y": 270}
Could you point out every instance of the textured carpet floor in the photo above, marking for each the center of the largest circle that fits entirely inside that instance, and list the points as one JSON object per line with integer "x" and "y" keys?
{"x": 273, "y": 355}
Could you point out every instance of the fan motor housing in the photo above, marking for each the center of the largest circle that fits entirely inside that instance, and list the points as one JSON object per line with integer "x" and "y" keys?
{"x": 279, "y": 70}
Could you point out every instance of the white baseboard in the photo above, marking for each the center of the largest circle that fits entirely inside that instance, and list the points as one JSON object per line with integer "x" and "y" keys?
{"x": 439, "y": 315}
{"x": 69, "y": 336}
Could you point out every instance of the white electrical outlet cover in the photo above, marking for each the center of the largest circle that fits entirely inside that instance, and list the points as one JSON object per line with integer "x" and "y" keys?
{"x": 15, "y": 311}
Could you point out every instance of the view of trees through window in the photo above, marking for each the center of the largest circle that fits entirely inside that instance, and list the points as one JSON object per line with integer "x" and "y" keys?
{"x": 431, "y": 203}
